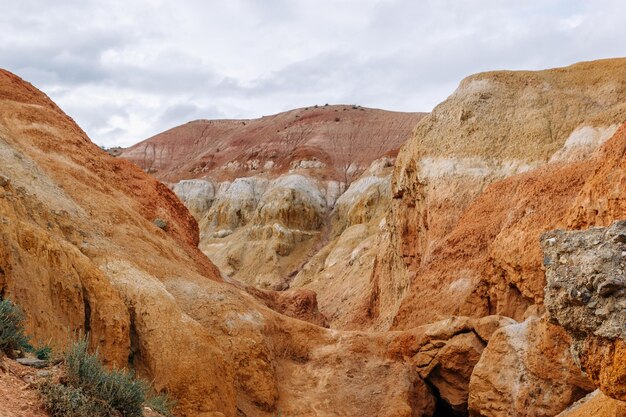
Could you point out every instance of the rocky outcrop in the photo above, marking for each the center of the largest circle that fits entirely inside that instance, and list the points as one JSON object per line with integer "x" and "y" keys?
{"x": 263, "y": 232}
{"x": 507, "y": 157}
{"x": 586, "y": 294}
{"x": 79, "y": 252}
{"x": 339, "y": 271}
{"x": 526, "y": 370}
{"x": 260, "y": 231}
{"x": 264, "y": 190}
{"x": 496, "y": 125}
{"x": 272, "y": 200}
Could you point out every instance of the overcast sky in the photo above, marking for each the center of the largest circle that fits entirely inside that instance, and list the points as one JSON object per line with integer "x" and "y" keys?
{"x": 125, "y": 70}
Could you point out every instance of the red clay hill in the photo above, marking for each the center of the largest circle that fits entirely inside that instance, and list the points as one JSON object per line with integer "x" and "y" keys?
{"x": 338, "y": 142}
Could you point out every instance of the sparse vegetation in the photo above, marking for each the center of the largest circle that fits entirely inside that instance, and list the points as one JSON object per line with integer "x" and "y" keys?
{"x": 296, "y": 136}
{"x": 12, "y": 337}
{"x": 119, "y": 389}
{"x": 67, "y": 401}
{"x": 349, "y": 140}
{"x": 90, "y": 389}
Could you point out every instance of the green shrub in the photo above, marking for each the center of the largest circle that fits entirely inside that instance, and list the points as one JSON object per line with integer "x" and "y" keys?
{"x": 92, "y": 390}
{"x": 12, "y": 335}
{"x": 65, "y": 401}
{"x": 43, "y": 352}
{"x": 119, "y": 389}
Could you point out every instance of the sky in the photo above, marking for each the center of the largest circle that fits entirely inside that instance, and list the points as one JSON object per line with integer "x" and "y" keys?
{"x": 126, "y": 70}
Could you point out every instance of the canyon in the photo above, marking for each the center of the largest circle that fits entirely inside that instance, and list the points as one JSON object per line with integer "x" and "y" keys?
{"x": 338, "y": 260}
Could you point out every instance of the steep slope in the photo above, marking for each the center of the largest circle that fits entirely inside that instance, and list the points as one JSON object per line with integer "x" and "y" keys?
{"x": 80, "y": 253}
{"x": 495, "y": 125}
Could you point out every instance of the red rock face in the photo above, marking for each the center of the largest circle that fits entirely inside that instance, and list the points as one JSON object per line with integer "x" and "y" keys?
{"x": 484, "y": 175}
{"x": 496, "y": 240}
{"x": 328, "y": 139}
{"x": 80, "y": 251}
{"x": 603, "y": 199}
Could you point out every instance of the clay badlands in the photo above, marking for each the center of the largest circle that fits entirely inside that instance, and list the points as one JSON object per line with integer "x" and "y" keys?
{"x": 335, "y": 260}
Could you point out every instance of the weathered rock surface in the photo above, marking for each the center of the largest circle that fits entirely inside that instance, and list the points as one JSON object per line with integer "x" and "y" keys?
{"x": 596, "y": 404}
{"x": 339, "y": 271}
{"x": 264, "y": 191}
{"x": 79, "y": 252}
{"x": 495, "y": 125}
{"x": 526, "y": 370}
{"x": 507, "y": 157}
{"x": 586, "y": 294}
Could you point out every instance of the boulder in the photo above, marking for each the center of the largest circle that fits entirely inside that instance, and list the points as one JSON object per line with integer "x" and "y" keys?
{"x": 526, "y": 370}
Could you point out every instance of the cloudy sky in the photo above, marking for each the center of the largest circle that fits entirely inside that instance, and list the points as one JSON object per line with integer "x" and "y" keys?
{"x": 125, "y": 70}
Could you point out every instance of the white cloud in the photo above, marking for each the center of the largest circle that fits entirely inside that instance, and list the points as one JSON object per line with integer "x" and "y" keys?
{"x": 128, "y": 69}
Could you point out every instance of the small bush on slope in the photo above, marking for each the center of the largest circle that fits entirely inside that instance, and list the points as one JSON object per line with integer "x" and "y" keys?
{"x": 94, "y": 391}
{"x": 12, "y": 335}
{"x": 64, "y": 401}
{"x": 119, "y": 389}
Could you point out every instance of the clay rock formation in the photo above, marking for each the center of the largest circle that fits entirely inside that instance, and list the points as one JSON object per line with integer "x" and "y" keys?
{"x": 496, "y": 125}
{"x": 264, "y": 191}
{"x": 507, "y": 157}
{"x": 79, "y": 252}
{"x": 338, "y": 272}
{"x": 541, "y": 375}
{"x": 586, "y": 294}
{"x": 440, "y": 250}
{"x": 258, "y": 231}
{"x": 331, "y": 142}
